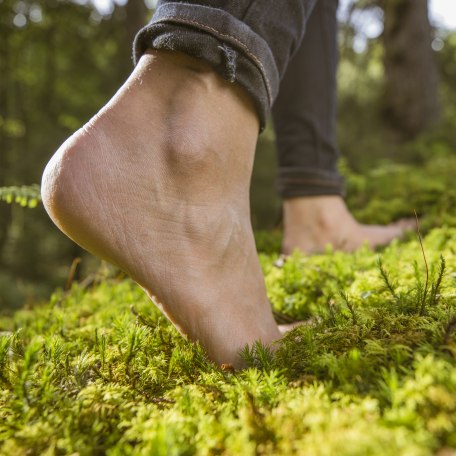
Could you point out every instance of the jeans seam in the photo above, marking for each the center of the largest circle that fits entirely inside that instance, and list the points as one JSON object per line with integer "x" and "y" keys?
{"x": 223, "y": 35}
{"x": 312, "y": 181}
{"x": 303, "y": 171}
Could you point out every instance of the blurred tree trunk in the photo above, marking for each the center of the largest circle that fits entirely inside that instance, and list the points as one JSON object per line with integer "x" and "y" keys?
{"x": 136, "y": 16}
{"x": 411, "y": 93}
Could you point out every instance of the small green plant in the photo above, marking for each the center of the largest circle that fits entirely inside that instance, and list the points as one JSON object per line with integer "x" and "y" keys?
{"x": 25, "y": 195}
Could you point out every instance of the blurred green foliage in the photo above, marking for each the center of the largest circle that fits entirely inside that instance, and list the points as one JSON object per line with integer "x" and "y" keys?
{"x": 59, "y": 63}
{"x": 25, "y": 196}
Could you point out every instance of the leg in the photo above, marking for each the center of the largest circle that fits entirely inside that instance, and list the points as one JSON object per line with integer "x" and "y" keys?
{"x": 305, "y": 122}
{"x": 158, "y": 181}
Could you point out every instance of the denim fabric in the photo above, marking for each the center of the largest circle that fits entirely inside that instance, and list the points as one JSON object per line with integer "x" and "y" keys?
{"x": 259, "y": 45}
{"x": 304, "y": 112}
{"x": 247, "y": 41}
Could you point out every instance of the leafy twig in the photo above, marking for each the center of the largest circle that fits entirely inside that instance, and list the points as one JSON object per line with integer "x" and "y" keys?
{"x": 26, "y": 195}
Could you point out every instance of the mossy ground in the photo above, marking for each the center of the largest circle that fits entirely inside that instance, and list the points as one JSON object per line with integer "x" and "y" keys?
{"x": 97, "y": 370}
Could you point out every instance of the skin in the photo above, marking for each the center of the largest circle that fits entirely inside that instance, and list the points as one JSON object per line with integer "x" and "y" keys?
{"x": 157, "y": 183}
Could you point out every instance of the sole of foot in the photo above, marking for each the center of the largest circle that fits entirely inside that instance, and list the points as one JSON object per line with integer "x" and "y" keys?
{"x": 157, "y": 183}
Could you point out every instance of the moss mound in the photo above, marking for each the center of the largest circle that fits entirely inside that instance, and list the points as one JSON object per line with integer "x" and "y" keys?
{"x": 98, "y": 370}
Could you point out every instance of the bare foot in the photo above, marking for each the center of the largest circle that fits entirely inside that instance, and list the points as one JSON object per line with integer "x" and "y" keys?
{"x": 158, "y": 184}
{"x": 311, "y": 223}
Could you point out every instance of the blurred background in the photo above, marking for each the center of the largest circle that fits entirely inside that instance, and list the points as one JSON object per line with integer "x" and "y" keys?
{"x": 61, "y": 60}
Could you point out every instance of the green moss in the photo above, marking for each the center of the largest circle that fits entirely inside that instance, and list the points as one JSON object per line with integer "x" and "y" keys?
{"x": 98, "y": 370}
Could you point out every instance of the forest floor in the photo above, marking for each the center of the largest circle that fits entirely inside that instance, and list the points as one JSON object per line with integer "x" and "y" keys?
{"x": 97, "y": 370}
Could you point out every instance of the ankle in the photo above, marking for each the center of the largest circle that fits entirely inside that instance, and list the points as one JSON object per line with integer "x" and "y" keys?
{"x": 310, "y": 223}
{"x": 320, "y": 212}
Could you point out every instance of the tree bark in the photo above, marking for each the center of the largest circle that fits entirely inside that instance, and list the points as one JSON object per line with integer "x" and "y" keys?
{"x": 411, "y": 92}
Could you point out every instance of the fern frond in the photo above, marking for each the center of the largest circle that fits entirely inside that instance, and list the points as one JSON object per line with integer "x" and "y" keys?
{"x": 436, "y": 286}
{"x": 389, "y": 284}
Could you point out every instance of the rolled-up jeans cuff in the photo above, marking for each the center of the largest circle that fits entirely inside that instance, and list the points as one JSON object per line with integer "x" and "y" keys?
{"x": 295, "y": 182}
{"x": 229, "y": 45}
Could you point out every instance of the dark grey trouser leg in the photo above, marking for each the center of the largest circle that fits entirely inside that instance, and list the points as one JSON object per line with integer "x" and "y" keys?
{"x": 305, "y": 111}
{"x": 248, "y": 42}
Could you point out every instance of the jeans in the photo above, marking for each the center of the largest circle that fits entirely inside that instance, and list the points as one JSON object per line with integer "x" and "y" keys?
{"x": 284, "y": 54}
